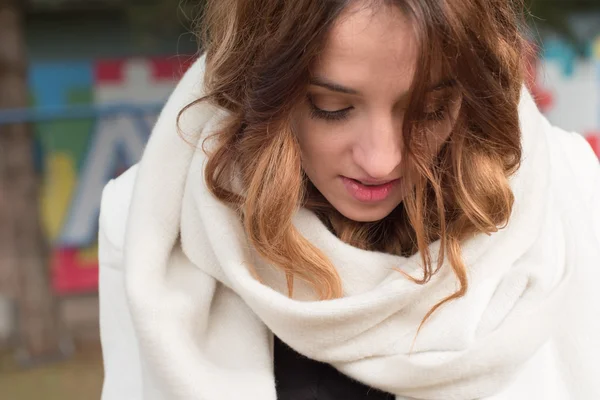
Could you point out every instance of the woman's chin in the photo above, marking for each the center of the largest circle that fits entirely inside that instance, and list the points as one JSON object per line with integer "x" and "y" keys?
{"x": 365, "y": 212}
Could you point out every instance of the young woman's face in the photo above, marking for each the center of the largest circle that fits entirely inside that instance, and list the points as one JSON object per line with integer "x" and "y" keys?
{"x": 350, "y": 126}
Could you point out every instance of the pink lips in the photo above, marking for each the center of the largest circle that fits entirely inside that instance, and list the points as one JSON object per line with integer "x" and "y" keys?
{"x": 369, "y": 193}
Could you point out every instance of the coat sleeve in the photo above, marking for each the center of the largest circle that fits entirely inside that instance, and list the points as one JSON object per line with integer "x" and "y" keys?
{"x": 595, "y": 204}
{"x": 122, "y": 366}
{"x": 587, "y": 295}
{"x": 579, "y": 331}
{"x": 585, "y": 171}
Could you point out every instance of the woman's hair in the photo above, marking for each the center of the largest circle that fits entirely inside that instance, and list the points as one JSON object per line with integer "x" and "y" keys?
{"x": 257, "y": 68}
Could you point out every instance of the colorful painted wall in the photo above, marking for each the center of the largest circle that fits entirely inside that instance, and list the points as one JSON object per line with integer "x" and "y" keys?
{"x": 568, "y": 88}
{"x": 80, "y": 156}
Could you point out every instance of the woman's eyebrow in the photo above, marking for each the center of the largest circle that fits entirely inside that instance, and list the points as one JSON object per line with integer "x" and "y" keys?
{"x": 336, "y": 87}
{"x": 332, "y": 86}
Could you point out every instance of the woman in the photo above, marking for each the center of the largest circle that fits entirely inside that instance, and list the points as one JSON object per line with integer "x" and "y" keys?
{"x": 361, "y": 201}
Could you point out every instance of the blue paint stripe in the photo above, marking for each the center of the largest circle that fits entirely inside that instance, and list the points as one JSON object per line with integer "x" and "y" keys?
{"x": 46, "y": 114}
{"x": 51, "y": 82}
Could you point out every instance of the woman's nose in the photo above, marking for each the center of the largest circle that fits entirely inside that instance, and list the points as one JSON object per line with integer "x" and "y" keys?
{"x": 379, "y": 149}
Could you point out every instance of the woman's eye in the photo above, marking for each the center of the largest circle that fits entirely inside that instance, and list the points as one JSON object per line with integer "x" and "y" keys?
{"x": 336, "y": 115}
{"x": 438, "y": 115}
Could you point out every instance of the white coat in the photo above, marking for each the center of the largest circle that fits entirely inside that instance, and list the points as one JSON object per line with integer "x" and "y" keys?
{"x": 183, "y": 318}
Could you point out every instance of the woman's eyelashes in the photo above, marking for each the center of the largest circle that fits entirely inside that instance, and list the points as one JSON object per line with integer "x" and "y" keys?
{"x": 319, "y": 113}
{"x": 439, "y": 114}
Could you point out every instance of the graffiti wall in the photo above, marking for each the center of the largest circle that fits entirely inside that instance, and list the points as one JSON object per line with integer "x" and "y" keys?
{"x": 568, "y": 88}
{"x": 80, "y": 155}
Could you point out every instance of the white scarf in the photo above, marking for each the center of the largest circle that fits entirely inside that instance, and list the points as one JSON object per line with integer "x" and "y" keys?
{"x": 205, "y": 324}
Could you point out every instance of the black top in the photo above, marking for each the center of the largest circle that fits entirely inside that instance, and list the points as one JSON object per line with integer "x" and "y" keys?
{"x": 300, "y": 378}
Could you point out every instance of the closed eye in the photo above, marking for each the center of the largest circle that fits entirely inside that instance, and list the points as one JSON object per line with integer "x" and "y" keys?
{"x": 438, "y": 115}
{"x": 336, "y": 115}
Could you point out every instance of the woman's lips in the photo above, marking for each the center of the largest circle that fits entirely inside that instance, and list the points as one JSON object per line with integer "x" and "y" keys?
{"x": 367, "y": 192}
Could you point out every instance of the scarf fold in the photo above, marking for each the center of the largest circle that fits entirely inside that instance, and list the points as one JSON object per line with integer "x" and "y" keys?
{"x": 205, "y": 324}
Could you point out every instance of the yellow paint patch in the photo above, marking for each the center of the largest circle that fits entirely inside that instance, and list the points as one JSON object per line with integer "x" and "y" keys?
{"x": 57, "y": 191}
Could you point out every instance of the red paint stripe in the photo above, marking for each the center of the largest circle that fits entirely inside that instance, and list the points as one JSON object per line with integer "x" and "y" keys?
{"x": 109, "y": 71}
{"x": 169, "y": 69}
{"x": 70, "y": 275}
{"x": 593, "y": 139}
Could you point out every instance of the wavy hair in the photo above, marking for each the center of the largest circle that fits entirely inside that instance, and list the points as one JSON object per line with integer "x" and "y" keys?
{"x": 259, "y": 54}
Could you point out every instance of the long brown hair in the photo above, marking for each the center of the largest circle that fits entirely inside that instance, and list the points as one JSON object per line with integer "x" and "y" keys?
{"x": 259, "y": 53}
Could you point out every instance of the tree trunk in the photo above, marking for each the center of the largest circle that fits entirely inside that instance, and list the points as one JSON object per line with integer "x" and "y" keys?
{"x": 24, "y": 268}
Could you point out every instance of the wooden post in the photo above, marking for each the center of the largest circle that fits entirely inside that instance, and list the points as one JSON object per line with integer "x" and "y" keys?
{"x": 23, "y": 252}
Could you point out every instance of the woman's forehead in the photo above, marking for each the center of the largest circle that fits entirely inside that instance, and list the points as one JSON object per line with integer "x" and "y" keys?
{"x": 367, "y": 48}
{"x": 372, "y": 32}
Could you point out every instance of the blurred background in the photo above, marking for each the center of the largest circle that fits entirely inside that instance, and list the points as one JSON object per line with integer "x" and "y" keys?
{"x": 81, "y": 83}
